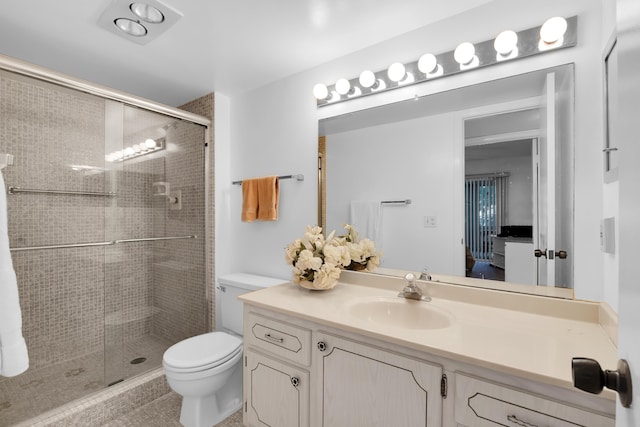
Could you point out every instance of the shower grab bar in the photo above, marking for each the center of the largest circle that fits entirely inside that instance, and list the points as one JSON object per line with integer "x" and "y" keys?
{"x": 107, "y": 243}
{"x": 16, "y": 190}
{"x": 153, "y": 239}
{"x": 74, "y": 245}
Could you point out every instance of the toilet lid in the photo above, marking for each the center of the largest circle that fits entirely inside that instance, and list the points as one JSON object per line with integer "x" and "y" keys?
{"x": 202, "y": 350}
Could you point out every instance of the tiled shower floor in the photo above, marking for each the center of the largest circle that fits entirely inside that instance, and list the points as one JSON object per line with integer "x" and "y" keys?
{"x": 41, "y": 390}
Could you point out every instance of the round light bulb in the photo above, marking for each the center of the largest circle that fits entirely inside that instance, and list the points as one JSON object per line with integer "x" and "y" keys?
{"x": 128, "y": 151}
{"x": 147, "y": 12}
{"x": 427, "y": 63}
{"x": 553, "y": 29}
{"x": 396, "y": 72}
{"x": 505, "y": 42}
{"x": 320, "y": 91}
{"x": 150, "y": 143}
{"x": 464, "y": 53}
{"x": 343, "y": 86}
{"x": 136, "y": 148}
{"x": 367, "y": 78}
{"x": 130, "y": 27}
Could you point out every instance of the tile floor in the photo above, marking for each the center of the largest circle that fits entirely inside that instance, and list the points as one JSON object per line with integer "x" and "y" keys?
{"x": 164, "y": 412}
{"x": 37, "y": 391}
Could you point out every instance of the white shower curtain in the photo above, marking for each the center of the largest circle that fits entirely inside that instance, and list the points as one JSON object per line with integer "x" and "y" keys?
{"x": 14, "y": 358}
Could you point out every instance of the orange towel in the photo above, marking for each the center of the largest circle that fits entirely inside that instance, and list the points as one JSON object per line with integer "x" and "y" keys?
{"x": 249, "y": 200}
{"x": 260, "y": 198}
{"x": 268, "y": 198}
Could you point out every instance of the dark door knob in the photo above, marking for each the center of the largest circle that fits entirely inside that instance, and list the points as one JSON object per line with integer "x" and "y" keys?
{"x": 589, "y": 376}
{"x": 561, "y": 254}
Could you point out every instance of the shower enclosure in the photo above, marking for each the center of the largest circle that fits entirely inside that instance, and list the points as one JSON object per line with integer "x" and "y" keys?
{"x": 106, "y": 208}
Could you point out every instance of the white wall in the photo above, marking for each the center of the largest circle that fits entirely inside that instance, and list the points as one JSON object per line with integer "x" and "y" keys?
{"x": 611, "y": 204}
{"x": 222, "y": 204}
{"x": 274, "y": 128}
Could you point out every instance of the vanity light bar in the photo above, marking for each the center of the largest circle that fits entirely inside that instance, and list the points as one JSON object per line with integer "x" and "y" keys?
{"x": 555, "y": 33}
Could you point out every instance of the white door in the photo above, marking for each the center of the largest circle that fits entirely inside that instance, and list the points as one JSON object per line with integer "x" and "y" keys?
{"x": 628, "y": 142}
{"x": 547, "y": 182}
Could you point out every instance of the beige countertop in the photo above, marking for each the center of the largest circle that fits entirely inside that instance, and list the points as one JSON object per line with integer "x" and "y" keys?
{"x": 528, "y": 336}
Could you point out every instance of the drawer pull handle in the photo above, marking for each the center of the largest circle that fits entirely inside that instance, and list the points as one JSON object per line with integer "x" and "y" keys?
{"x": 295, "y": 381}
{"x": 272, "y": 338}
{"x": 519, "y": 422}
{"x": 322, "y": 346}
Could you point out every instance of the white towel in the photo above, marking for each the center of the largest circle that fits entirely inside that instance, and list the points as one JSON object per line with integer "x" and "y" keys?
{"x": 14, "y": 358}
{"x": 366, "y": 218}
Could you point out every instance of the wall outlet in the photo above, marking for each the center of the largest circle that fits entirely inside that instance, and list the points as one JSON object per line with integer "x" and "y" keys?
{"x": 430, "y": 222}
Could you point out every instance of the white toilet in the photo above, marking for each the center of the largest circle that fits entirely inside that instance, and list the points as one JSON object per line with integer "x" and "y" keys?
{"x": 206, "y": 370}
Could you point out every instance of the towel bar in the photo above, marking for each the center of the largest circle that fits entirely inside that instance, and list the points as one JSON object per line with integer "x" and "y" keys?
{"x": 394, "y": 202}
{"x": 298, "y": 177}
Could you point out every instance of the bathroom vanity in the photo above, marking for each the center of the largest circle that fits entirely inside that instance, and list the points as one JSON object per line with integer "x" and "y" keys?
{"x": 358, "y": 355}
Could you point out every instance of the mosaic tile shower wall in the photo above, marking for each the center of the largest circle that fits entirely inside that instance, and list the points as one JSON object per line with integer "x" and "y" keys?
{"x": 205, "y": 106}
{"x": 122, "y": 301}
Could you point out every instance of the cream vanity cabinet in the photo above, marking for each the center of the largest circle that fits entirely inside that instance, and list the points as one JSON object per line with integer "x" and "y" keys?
{"x": 301, "y": 373}
{"x": 361, "y": 385}
{"x": 276, "y": 372}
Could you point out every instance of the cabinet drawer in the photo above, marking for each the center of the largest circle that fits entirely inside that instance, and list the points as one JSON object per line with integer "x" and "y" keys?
{"x": 483, "y": 404}
{"x": 280, "y": 338}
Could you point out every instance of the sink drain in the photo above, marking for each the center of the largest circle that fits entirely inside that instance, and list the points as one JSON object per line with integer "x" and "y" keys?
{"x": 138, "y": 360}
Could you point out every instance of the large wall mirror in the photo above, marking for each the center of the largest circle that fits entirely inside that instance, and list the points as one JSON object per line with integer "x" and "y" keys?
{"x": 472, "y": 184}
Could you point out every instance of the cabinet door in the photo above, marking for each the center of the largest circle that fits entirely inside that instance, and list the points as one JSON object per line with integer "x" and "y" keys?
{"x": 520, "y": 264}
{"x": 360, "y": 385}
{"x": 276, "y": 394}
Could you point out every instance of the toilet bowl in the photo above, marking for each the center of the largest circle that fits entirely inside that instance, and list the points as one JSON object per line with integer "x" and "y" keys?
{"x": 206, "y": 370}
{"x": 200, "y": 369}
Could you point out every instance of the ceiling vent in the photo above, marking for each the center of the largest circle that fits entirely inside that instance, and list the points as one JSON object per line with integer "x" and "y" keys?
{"x": 138, "y": 21}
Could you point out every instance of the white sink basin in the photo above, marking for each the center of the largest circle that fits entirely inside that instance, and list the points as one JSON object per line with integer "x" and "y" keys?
{"x": 401, "y": 313}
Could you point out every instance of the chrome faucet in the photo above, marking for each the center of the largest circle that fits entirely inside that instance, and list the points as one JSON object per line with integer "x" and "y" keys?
{"x": 411, "y": 290}
{"x": 425, "y": 274}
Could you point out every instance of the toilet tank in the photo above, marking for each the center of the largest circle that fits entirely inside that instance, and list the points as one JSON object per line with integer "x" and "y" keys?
{"x": 233, "y": 285}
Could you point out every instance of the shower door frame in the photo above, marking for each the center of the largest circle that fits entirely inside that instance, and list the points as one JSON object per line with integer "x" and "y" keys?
{"x": 26, "y": 69}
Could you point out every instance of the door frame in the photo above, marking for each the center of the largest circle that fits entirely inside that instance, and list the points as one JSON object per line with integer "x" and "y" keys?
{"x": 458, "y": 262}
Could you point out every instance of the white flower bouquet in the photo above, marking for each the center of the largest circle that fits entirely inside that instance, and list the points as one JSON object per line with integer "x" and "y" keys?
{"x": 317, "y": 261}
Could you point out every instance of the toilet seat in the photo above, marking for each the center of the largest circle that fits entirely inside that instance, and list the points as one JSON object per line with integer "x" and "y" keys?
{"x": 202, "y": 352}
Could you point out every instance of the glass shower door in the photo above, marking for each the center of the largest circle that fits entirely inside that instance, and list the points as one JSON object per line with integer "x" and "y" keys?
{"x": 55, "y": 213}
{"x": 155, "y": 275}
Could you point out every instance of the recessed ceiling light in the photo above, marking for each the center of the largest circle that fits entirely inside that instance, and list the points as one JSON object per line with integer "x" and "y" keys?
{"x": 139, "y": 21}
{"x": 147, "y": 13}
{"x": 130, "y": 27}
